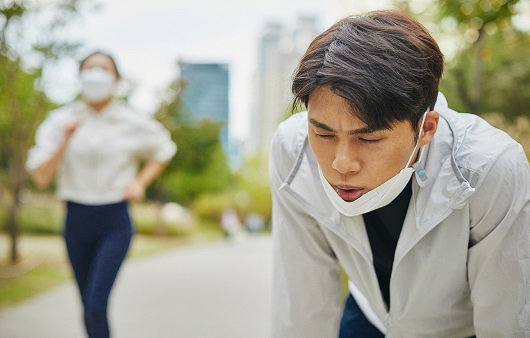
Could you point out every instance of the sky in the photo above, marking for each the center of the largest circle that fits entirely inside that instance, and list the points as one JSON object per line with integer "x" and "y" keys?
{"x": 148, "y": 37}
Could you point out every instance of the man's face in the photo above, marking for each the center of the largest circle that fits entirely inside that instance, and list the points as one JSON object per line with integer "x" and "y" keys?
{"x": 353, "y": 158}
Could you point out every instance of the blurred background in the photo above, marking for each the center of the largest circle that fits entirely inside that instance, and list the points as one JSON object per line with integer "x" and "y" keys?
{"x": 217, "y": 75}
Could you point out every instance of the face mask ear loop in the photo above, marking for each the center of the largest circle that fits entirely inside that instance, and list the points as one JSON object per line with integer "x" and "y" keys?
{"x": 421, "y": 176}
{"x": 417, "y": 141}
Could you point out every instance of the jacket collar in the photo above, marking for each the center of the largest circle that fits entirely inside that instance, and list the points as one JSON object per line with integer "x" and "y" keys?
{"x": 446, "y": 190}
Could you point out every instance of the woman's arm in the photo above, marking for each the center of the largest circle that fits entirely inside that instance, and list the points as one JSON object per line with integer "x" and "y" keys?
{"x": 46, "y": 172}
{"x": 135, "y": 191}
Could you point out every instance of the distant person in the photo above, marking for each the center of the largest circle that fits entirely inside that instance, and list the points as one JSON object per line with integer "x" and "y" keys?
{"x": 426, "y": 210}
{"x": 94, "y": 148}
{"x": 230, "y": 222}
{"x": 254, "y": 222}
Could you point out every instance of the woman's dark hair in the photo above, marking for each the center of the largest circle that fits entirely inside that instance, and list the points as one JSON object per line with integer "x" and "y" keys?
{"x": 98, "y": 52}
{"x": 385, "y": 64}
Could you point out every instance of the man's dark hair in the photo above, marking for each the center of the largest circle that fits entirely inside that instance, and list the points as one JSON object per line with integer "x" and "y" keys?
{"x": 385, "y": 64}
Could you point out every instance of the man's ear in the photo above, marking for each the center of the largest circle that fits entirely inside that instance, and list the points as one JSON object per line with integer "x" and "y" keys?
{"x": 429, "y": 127}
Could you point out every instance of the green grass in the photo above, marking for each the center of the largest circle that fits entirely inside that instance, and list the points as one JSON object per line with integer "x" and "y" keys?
{"x": 43, "y": 260}
{"x": 17, "y": 289}
{"x": 42, "y": 264}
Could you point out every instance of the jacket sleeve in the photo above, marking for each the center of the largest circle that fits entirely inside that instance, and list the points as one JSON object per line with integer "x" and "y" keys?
{"x": 157, "y": 142}
{"x": 499, "y": 256}
{"x": 306, "y": 276}
{"x": 49, "y": 135}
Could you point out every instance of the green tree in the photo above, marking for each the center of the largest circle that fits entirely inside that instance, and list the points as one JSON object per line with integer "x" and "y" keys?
{"x": 23, "y": 103}
{"x": 253, "y": 187}
{"x": 486, "y": 70}
{"x": 507, "y": 75}
{"x": 200, "y": 165}
{"x": 505, "y": 87}
{"x": 485, "y": 27}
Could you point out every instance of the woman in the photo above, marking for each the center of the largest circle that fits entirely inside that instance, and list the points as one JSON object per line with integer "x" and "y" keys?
{"x": 94, "y": 147}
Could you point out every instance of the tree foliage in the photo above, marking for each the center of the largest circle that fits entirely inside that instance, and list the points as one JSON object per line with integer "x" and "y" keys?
{"x": 200, "y": 165}
{"x": 488, "y": 72}
{"x": 476, "y": 14}
{"x": 23, "y": 103}
{"x": 254, "y": 189}
{"x": 505, "y": 85}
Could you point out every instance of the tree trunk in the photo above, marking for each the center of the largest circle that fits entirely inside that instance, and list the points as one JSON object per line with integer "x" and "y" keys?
{"x": 16, "y": 176}
{"x": 13, "y": 226}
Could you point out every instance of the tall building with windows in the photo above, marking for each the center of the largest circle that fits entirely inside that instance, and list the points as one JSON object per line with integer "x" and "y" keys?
{"x": 206, "y": 90}
{"x": 206, "y": 93}
{"x": 279, "y": 51}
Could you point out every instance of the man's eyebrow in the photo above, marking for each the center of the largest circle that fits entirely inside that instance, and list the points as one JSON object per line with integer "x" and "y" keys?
{"x": 364, "y": 130}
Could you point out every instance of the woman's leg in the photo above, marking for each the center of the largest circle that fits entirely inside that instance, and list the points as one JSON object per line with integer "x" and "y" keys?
{"x": 97, "y": 239}
{"x": 354, "y": 324}
{"x": 109, "y": 256}
{"x": 80, "y": 243}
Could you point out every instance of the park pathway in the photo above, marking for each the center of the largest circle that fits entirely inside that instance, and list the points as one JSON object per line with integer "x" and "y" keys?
{"x": 219, "y": 290}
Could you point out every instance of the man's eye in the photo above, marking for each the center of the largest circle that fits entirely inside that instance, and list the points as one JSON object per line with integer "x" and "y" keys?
{"x": 327, "y": 136}
{"x": 367, "y": 140}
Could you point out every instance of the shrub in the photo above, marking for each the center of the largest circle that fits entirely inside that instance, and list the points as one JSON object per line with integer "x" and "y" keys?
{"x": 149, "y": 219}
{"x": 209, "y": 207}
{"x": 37, "y": 219}
{"x": 40, "y": 214}
{"x": 44, "y": 214}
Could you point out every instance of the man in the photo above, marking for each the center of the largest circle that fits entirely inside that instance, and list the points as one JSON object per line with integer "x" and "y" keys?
{"x": 426, "y": 210}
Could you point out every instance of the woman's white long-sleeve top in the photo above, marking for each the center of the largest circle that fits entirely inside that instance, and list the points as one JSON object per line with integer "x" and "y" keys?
{"x": 462, "y": 262}
{"x": 104, "y": 153}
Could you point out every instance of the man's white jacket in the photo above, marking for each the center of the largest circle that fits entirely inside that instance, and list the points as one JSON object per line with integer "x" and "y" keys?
{"x": 462, "y": 263}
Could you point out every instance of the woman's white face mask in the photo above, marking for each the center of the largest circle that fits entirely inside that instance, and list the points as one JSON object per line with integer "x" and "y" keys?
{"x": 97, "y": 84}
{"x": 377, "y": 197}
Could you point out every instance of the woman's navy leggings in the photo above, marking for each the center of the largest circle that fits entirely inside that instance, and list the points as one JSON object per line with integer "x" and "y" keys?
{"x": 97, "y": 239}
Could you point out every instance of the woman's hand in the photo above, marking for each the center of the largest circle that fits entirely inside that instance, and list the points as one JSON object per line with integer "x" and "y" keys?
{"x": 134, "y": 191}
{"x": 70, "y": 128}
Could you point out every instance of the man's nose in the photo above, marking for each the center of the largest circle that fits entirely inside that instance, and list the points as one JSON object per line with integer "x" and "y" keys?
{"x": 346, "y": 159}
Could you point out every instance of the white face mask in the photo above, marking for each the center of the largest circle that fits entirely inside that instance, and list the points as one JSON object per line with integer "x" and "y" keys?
{"x": 97, "y": 84}
{"x": 376, "y": 198}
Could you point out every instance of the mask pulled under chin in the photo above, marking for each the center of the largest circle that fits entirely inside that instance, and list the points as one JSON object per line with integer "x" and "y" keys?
{"x": 372, "y": 200}
{"x": 376, "y": 198}
{"x": 97, "y": 84}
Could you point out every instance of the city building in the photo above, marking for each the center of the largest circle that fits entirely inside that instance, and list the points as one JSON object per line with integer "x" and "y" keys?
{"x": 279, "y": 51}
{"x": 206, "y": 93}
{"x": 206, "y": 96}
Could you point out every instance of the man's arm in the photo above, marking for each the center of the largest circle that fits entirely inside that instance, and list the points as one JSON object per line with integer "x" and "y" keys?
{"x": 499, "y": 259}
{"x": 306, "y": 286}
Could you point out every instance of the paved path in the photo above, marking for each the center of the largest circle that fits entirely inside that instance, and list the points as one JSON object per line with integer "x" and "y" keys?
{"x": 219, "y": 290}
